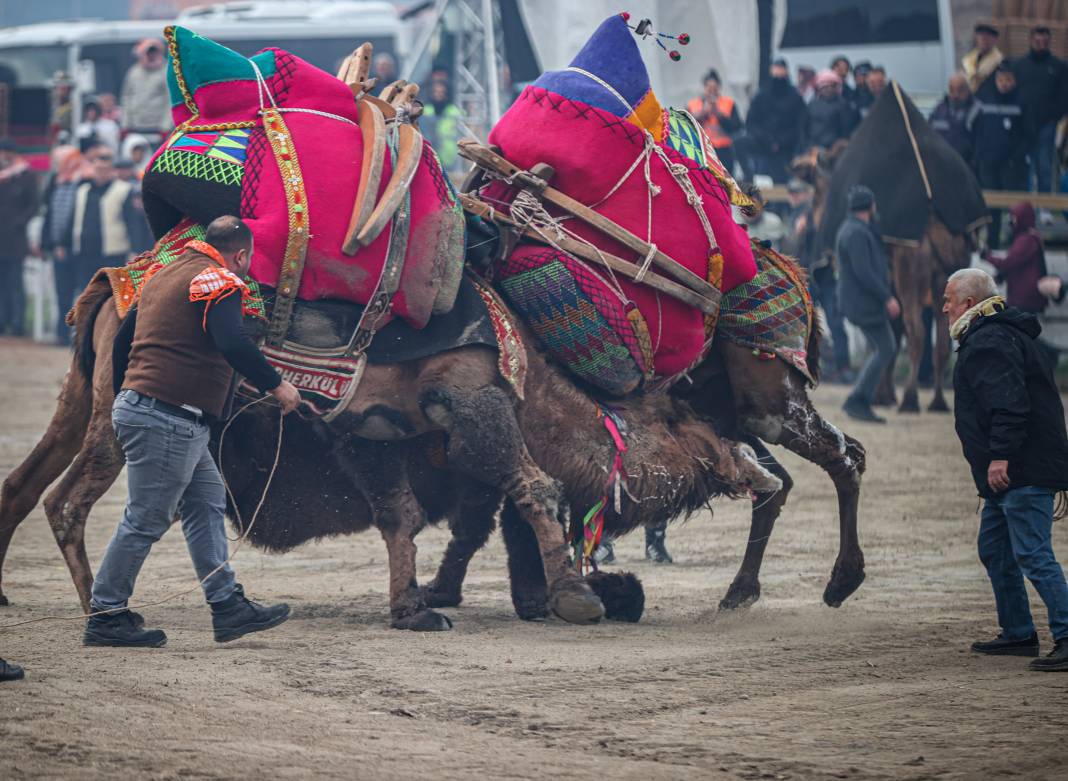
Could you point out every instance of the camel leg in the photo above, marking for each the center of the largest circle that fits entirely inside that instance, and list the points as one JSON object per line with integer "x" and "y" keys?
{"x": 399, "y": 517}
{"x": 941, "y": 348}
{"x": 745, "y": 589}
{"x": 68, "y": 505}
{"x": 772, "y": 404}
{"x": 485, "y": 443}
{"x": 912, "y": 286}
{"x": 526, "y": 575}
{"x": 60, "y": 444}
{"x": 806, "y": 433}
{"x": 471, "y": 527}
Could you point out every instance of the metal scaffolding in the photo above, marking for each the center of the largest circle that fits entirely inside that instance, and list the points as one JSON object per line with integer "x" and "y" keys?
{"x": 477, "y": 58}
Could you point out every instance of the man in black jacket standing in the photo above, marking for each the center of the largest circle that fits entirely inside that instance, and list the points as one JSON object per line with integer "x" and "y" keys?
{"x": 1010, "y": 422}
{"x": 1043, "y": 85}
{"x": 775, "y": 125}
{"x": 865, "y": 298}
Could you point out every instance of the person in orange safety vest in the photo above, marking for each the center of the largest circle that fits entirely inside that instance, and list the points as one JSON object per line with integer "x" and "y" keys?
{"x": 718, "y": 114}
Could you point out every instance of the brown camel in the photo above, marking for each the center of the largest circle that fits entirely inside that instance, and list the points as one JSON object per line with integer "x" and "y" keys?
{"x": 919, "y": 276}
{"x": 535, "y": 453}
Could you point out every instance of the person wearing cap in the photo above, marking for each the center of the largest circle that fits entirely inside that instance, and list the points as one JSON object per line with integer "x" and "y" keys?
{"x": 862, "y": 98}
{"x": 775, "y": 125}
{"x": 18, "y": 203}
{"x": 876, "y": 82}
{"x": 840, "y": 65}
{"x": 1002, "y": 132}
{"x": 866, "y": 298}
{"x": 952, "y": 118}
{"x": 718, "y": 115}
{"x": 1043, "y": 85}
{"x": 146, "y": 106}
{"x": 830, "y": 118}
{"x": 982, "y": 61}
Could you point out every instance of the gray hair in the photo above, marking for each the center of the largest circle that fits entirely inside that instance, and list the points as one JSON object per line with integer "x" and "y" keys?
{"x": 973, "y": 283}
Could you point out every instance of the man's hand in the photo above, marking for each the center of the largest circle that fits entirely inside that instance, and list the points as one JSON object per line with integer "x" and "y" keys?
{"x": 1050, "y": 286}
{"x": 893, "y": 308}
{"x": 287, "y": 395}
{"x": 997, "y": 475}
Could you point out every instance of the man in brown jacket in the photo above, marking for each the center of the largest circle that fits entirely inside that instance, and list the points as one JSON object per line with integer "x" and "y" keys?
{"x": 174, "y": 361}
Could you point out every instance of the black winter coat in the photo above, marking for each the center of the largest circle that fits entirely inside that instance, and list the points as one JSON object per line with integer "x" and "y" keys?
{"x": 828, "y": 121}
{"x": 1007, "y": 404}
{"x": 863, "y": 273}
{"x": 777, "y": 118}
{"x": 1002, "y": 129}
{"x": 1043, "y": 86}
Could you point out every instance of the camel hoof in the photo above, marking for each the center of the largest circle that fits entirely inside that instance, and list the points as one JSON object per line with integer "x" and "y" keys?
{"x": 423, "y": 621}
{"x": 740, "y": 595}
{"x": 532, "y": 610}
{"x": 938, "y": 404}
{"x": 434, "y": 598}
{"x": 909, "y": 404}
{"x": 842, "y": 585}
{"x": 577, "y": 605}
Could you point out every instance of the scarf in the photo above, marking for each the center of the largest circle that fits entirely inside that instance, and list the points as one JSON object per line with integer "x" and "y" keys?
{"x": 985, "y": 308}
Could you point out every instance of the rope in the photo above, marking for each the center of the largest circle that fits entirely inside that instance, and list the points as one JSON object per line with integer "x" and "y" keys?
{"x": 229, "y": 558}
{"x": 262, "y": 89}
{"x": 912, "y": 140}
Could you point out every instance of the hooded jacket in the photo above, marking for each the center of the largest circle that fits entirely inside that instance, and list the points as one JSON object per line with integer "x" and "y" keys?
{"x": 1007, "y": 404}
{"x": 1024, "y": 263}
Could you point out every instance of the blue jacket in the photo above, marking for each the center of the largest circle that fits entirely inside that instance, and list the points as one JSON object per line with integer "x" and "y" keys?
{"x": 863, "y": 273}
{"x": 1002, "y": 129}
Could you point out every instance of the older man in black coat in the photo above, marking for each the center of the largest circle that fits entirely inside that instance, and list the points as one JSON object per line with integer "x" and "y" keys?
{"x": 1010, "y": 422}
{"x": 865, "y": 297}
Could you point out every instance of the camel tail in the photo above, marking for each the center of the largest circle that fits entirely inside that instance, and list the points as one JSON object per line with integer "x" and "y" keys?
{"x": 83, "y": 317}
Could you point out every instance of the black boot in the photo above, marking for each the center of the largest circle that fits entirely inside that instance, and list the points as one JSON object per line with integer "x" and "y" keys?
{"x": 656, "y": 545}
{"x": 10, "y": 672}
{"x": 236, "y": 616}
{"x": 858, "y": 410}
{"x": 1000, "y": 646}
{"x": 121, "y": 629}
{"x": 1056, "y": 660}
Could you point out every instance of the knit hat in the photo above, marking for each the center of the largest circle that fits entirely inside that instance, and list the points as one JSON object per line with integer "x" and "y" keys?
{"x": 860, "y": 198}
{"x": 826, "y": 78}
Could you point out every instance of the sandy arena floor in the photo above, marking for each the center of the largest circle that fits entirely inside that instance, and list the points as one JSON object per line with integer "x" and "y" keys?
{"x": 882, "y": 688}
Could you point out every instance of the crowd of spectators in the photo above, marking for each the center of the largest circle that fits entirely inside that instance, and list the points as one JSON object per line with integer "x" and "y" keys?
{"x": 90, "y": 201}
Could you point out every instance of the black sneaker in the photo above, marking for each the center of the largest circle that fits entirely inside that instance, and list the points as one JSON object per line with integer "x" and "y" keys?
{"x": 11, "y": 672}
{"x": 656, "y": 547}
{"x": 237, "y": 616}
{"x": 1055, "y": 661}
{"x": 1001, "y": 646}
{"x": 858, "y": 410}
{"x": 121, "y": 629}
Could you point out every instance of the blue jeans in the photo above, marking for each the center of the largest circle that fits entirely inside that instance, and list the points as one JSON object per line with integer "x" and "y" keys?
{"x": 880, "y": 338}
{"x": 1014, "y": 541}
{"x": 1041, "y": 157}
{"x": 168, "y": 469}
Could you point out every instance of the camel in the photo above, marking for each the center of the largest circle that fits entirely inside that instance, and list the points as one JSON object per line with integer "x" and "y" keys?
{"x": 919, "y": 272}
{"x": 539, "y": 453}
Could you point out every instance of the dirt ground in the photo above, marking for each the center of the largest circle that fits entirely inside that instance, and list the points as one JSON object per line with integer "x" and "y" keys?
{"x": 883, "y": 687}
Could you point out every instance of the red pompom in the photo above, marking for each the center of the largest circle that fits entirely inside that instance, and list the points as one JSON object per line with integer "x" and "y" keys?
{"x": 626, "y": 16}
{"x": 684, "y": 38}
{"x": 675, "y": 55}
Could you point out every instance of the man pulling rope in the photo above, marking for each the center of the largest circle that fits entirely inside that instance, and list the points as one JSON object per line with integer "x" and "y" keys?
{"x": 174, "y": 363}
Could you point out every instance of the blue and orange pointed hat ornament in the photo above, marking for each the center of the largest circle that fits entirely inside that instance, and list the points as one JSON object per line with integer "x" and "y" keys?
{"x": 644, "y": 30}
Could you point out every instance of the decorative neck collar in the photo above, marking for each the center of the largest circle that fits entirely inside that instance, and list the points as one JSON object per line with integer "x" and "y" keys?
{"x": 206, "y": 249}
{"x": 984, "y": 308}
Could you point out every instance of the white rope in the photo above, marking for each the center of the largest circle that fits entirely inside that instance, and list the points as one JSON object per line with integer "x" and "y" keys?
{"x": 262, "y": 89}
{"x": 604, "y": 84}
{"x": 640, "y": 276}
